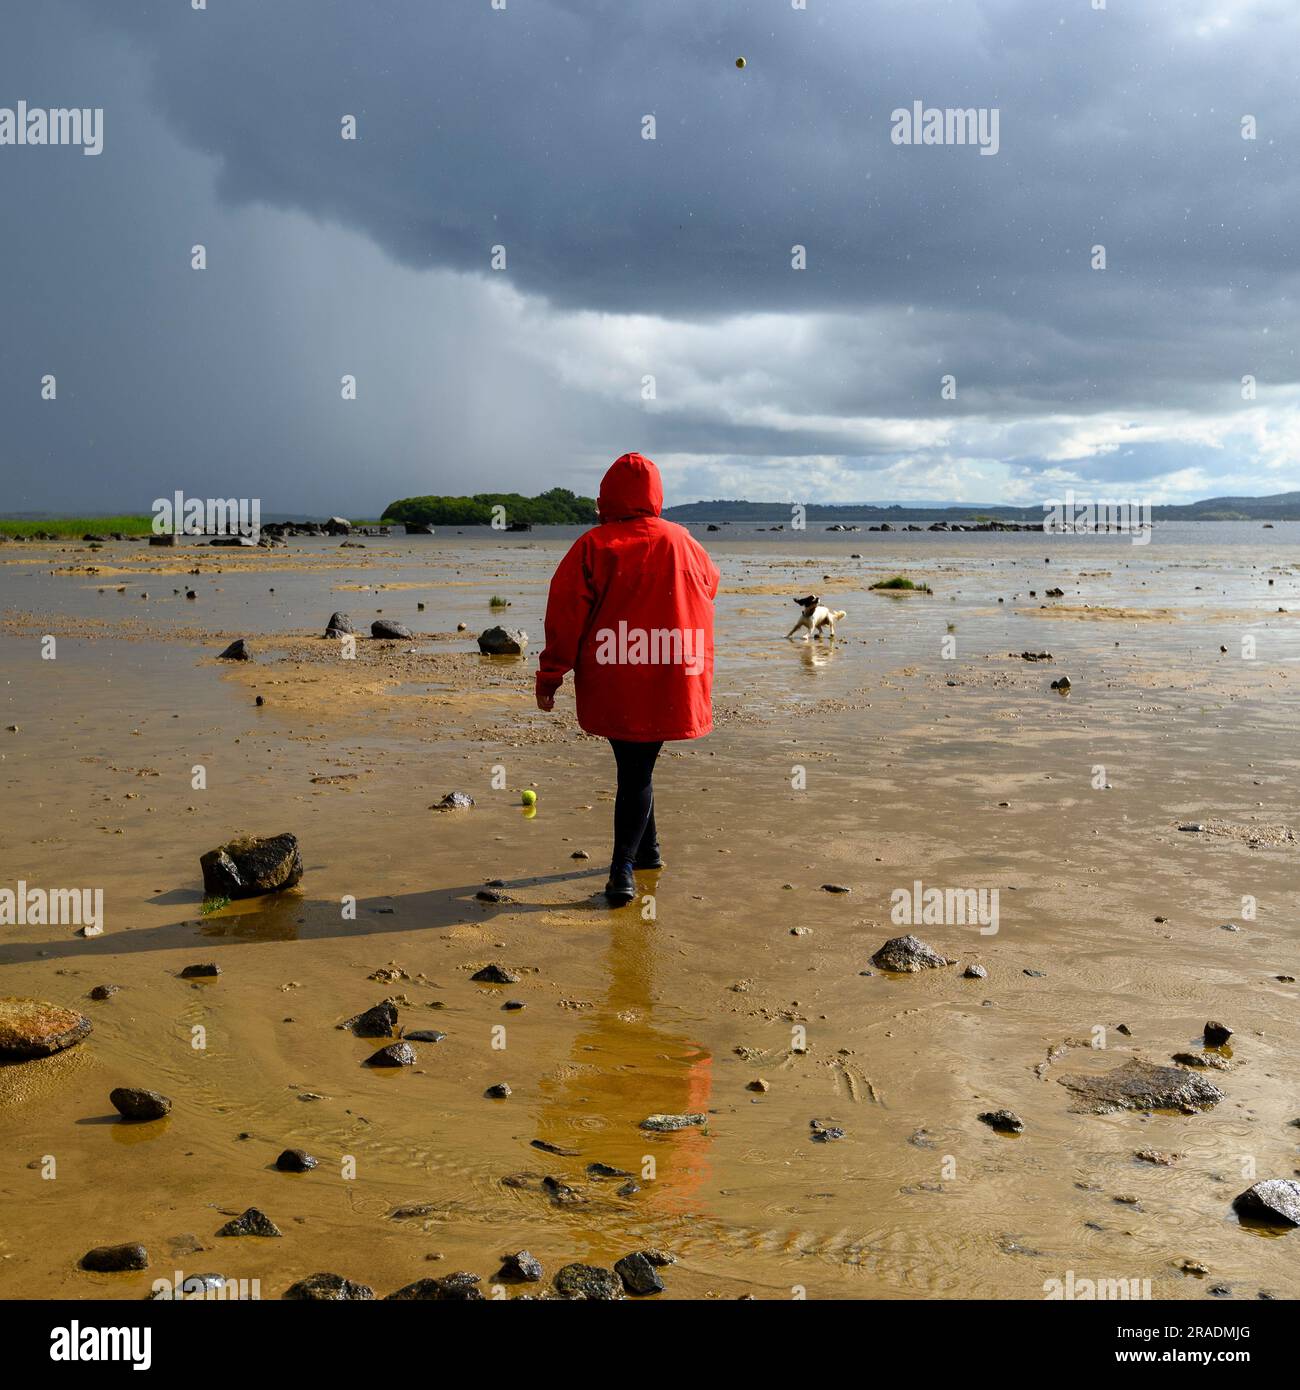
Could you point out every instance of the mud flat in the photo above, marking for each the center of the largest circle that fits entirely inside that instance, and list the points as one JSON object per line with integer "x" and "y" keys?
{"x": 841, "y": 1149}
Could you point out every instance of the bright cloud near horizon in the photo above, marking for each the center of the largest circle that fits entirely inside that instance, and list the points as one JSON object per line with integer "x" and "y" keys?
{"x": 670, "y": 258}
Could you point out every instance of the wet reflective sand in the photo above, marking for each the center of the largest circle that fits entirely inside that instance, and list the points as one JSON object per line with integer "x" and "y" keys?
{"x": 903, "y": 776}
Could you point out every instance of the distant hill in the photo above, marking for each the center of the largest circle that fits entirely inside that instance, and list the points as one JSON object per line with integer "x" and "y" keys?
{"x": 1282, "y": 506}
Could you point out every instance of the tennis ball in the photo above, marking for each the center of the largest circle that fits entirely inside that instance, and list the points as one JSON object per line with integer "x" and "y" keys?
{"x": 740, "y": 62}
{"x": 529, "y": 798}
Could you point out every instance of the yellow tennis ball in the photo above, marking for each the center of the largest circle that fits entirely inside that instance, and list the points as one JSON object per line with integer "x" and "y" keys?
{"x": 529, "y": 798}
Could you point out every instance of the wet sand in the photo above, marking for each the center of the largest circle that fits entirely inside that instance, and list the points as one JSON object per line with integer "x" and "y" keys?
{"x": 749, "y": 969}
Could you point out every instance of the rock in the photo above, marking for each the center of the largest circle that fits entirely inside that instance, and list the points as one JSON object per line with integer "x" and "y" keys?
{"x": 495, "y": 975}
{"x": 1192, "y": 828}
{"x": 666, "y": 1124}
{"x": 1202, "y": 1059}
{"x": 907, "y": 955}
{"x": 1156, "y": 1156}
{"x": 328, "y": 1288}
{"x": 134, "y": 1103}
{"x": 501, "y": 1091}
{"x": 112, "y": 1259}
{"x": 236, "y": 651}
{"x": 638, "y": 1274}
{"x": 376, "y": 1022}
{"x": 248, "y": 866}
{"x": 209, "y": 970}
{"x": 338, "y": 526}
{"x": 1004, "y": 1121}
{"x": 835, "y": 888}
{"x": 454, "y": 801}
{"x": 1062, "y": 684}
{"x": 295, "y": 1161}
{"x": 238, "y": 542}
{"x": 587, "y": 1282}
{"x": 520, "y": 1268}
{"x": 759, "y": 1085}
{"x": 193, "y": 1286}
{"x": 168, "y": 539}
{"x": 606, "y": 1170}
{"x": 387, "y": 630}
{"x": 1274, "y": 1202}
{"x": 423, "y": 1035}
{"x": 250, "y": 1223}
{"x": 340, "y": 625}
{"x": 35, "y": 1028}
{"x": 101, "y": 992}
{"x": 975, "y": 972}
{"x": 1216, "y": 1034}
{"x": 394, "y": 1055}
{"x": 1138, "y": 1085}
{"x": 824, "y": 1134}
{"x": 497, "y": 641}
{"x": 460, "y": 1287}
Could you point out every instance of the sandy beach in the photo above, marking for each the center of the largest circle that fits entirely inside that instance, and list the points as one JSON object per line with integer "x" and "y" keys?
{"x": 920, "y": 747}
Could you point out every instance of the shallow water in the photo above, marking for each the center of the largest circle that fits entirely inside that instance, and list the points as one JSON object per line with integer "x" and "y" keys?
{"x": 626, "y": 1017}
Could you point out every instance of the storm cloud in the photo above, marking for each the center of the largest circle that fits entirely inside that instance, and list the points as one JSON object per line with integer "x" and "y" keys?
{"x": 524, "y": 285}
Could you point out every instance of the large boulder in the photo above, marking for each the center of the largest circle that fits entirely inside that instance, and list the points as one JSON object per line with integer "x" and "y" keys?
{"x": 497, "y": 641}
{"x": 338, "y": 526}
{"x": 906, "y": 955}
{"x": 339, "y": 625}
{"x": 35, "y": 1028}
{"x": 387, "y": 630}
{"x": 1275, "y": 1202}
{"x": 248, "y": 866}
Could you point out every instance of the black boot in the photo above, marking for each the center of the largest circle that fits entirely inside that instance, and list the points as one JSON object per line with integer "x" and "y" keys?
{"x": 621, "y": 888}
{"x": 647, "y": 854}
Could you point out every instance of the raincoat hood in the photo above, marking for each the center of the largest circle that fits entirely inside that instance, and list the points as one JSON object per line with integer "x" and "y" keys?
{"x": 631, "y": 487}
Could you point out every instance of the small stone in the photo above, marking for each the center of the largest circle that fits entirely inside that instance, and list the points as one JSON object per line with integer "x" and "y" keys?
{"x": 454, "y": 801}
{"x": 101, "y": 992}
{"x": 201, "y": 972}
{"x": 908, "y": 955}
{"x": 330, "y": 1288}
{"x": 236, "y": 651}
{"x": 495, "y": 975}
{"x": 250, "y": 1223}
{"x": 824, "y": 1134}
{"x": 666, "y": 1124}
{"x": 975, "y": 972}
{"x": 1004, "y": 1121}
{"x": 295, "y": 1161}
{"x": 1193, "y": 828}
{"x": 1157, "y": 1157}
{"x": 113, "y": 1259}
{"x": 587, "y": 1282}
{"x": 1216, "y": 1034}
{"x": 134, "y": 1103}
{"x": 638, "y": 1275}
{"x": 394, "y": 1055}
{"x": 385, "y": 630}
{"x": 758, "y": 1085}
{"x": 423, "y": 1035}
{"x": 501, "y": 1091}
{"x": 1274, "y": 1202}
{"x": 835, "y": 888}
{"x": 375, "y": 1022}
{"x": 460, "y": 1287}
{"x": 520, "y": 1268}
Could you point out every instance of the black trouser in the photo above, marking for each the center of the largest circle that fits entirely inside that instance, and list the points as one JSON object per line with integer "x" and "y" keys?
{"x": 634, "y": 803}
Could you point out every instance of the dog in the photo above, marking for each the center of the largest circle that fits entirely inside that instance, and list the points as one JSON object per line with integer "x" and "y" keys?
{"x": 815, "y": 617}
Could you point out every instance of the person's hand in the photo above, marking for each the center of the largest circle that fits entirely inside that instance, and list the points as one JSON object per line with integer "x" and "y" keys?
{"x": 545, "y": 702}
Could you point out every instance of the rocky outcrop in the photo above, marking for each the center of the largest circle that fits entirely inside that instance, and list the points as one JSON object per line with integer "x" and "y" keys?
{"x": 35, "y": 1028}
{"x": 1139, "y": 1085}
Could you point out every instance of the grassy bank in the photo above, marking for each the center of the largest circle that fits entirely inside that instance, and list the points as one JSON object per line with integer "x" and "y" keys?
{"x": 79, "y": 526}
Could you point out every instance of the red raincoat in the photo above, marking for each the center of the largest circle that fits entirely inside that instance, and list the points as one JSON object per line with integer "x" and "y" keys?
{"x": 630, "y": 613}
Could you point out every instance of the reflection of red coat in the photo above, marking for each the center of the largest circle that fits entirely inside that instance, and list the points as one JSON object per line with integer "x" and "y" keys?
{"x": 630, "y": 613}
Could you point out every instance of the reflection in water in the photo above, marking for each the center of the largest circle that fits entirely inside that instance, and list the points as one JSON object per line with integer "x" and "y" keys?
{"x": 624, "y": 1066}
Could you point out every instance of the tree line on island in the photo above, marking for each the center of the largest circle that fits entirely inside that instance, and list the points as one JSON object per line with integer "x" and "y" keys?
{"x": 556, "y": 507}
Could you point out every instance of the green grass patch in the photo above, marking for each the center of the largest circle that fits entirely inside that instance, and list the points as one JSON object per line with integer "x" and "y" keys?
{"x": 79, "y": 526}
{"x": 211, "y": 905}
{"x": 901, "y": 584}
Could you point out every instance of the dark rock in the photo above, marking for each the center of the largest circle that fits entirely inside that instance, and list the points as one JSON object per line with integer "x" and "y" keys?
{"x": 824, "y": 1134}
{"x": 588, "y": 1282}
{"x": 250, "y": 1223}
{"x": 520, "y": 1268}
{"x": 376, "y": 1022}
{"x": 1062, "y": 684}
{"x": 35, "y": 1028}
{"x": 394, "y": 1055}
{"x": 387, "y": 630}
{"x": 907, "y": 955}
{"x": 192, "y": 1286}
{"x": 169, "y": 539}
{"x": 497, "y": 641}
{"x": 666, "y": 1124}
{"x": 1202, "y": 1059}
{"x": 454, "y": 801}
{"x": 548, "y": 1148}
{"x": 1275, "y": 1202}
{"x": 295, "y": 1161}
{"x": 338, "y": 526}
{"x": 1004, "y": 1121}
{"x": 104, "y": 991}
{"x": 500, "y": 1091}
{"x": 835, "y": 888}
{"x": 208, "y": 970}
{"x": 236, "y": 651}
{"x": 249, "y": 865}
{"x": 133, "y": 1103}
{"x": 605, "y": 1170}
{"x": 975, "y": 972}
{"x": 460, "y": 1287}
{"x": 1138, "y": 1085}
{"x": 112, "y": 1259}
{"x": 495, "y": 975}
{"x": 423, "y": 1035}
{"x": 330, "y": 1288}
{"x": 638, "y": 1274}
{"x": 1216, "y": 1034}
{"x": 340, "y": 625}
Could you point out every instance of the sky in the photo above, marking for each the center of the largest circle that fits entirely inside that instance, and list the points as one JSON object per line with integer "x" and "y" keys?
{"x": 523, "y": 286}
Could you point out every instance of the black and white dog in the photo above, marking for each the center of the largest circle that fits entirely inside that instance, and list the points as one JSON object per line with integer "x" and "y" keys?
{"x": 815, "y": 617}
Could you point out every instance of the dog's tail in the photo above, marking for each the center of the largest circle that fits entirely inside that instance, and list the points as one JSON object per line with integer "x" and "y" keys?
{"x": 839, "y": 615}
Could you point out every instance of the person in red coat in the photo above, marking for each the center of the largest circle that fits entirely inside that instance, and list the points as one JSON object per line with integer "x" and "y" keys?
{"x": 630, "y": 613}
